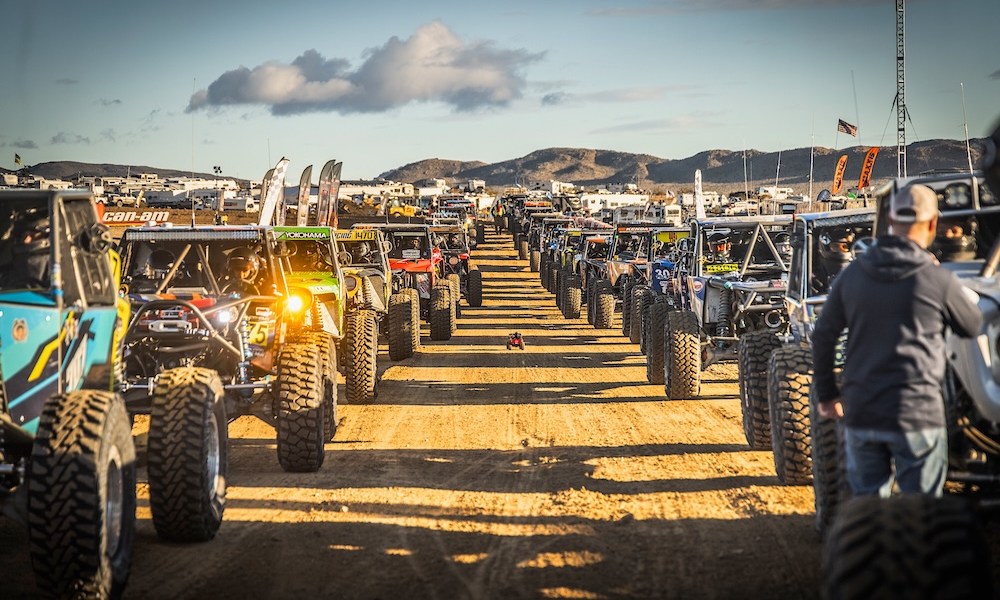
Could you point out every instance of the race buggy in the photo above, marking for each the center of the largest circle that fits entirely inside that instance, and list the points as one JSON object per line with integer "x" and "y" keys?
{"x": 67, "y": 460}
{"x": 419, "y": 288}
{"x": 466, "y": 281}
{"x": 944, "y": 536}
{"x": 368, "y": 280}
{"x": 218, "y": 332}
{"x": 821, "y": 249}
{"x": 730, "y": 296}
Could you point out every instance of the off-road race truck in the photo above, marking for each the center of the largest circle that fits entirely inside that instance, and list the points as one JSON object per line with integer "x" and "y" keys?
{"x": 641, "y": 295}
{"x": 465, "y": 279}
{"x": 418, "y": 284}
{"x": 363, "y": 255}
{"x": 943, "y": 548}
{"x": 732, "y": 275}
{"x": 536, "y": 230}
{"x": 67, "y": 459}
{"x": 548, "y": 234}
{"x": 311, "y": 259}
{"x": 821, "y": 248}
{"x": 598, "y": 295}
{"x": 523, "y": 225}
{"x": 218, "y": 332}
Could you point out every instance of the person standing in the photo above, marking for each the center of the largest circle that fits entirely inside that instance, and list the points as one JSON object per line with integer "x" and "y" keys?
{"x": 896, "y": 302}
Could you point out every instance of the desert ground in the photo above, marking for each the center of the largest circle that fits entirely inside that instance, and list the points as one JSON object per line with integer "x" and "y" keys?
{"x": 552, "y": 472}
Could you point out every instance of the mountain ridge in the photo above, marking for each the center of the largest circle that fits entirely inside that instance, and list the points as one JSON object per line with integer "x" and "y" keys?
{"x": 721, "y": 169}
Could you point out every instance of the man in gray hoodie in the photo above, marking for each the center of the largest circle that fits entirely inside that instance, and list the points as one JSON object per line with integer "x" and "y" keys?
{"x": 896, "y": 302}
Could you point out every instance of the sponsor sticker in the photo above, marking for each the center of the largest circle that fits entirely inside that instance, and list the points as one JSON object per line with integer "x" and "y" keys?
{"x": 721, "y": 267}
{"x": 135, "y": 217}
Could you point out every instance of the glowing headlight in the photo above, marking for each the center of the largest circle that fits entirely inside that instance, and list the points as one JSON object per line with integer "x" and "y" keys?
{"x": 453, "y": 261}
{"x": 295, "y": 303}
{"x": 225, "y": 317}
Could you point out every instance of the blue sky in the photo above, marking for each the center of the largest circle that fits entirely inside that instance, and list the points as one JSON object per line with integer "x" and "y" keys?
{"x": 379, "y": 84}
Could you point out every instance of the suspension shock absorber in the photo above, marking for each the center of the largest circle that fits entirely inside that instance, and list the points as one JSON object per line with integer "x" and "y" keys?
{"x": 725, "y": 312}
{"x": 244, "y": 332}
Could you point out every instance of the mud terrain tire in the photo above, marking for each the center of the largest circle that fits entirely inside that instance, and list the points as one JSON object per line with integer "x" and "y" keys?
{"x": 301, "y": 423}
{"x": 604, "y": 306}
{"x": 828, "y": 475}
{"x": 474, "y": 294}
{"x": 655, "y": 342}
{"x": 574, "y": 297}
{"x": 789, "y": 375}
{"x": 682, "y": 357}
{"x": 908, "y": 546}
{"x": 404, "y": 333}
{"x": 641, "y": 297}
{"x": 535, "y": 260}
{"x": 361, "y": 356}
{"x": 754, "y": 352}
{"x": 442, "y": 314}
{"x": 626, "y": 288}
{"x": 82, "y": 462}
{"x": 330, "y": 367}
{"x": 187, "y": 455}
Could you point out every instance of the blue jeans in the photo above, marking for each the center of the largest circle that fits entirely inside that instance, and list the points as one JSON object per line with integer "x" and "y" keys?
{"x": 918, "y": 459}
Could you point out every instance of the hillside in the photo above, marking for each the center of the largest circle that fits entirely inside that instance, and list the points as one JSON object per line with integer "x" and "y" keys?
{"x": 722, "y": 170}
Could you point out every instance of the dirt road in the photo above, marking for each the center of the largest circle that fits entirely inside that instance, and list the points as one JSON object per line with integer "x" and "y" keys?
{"x": 487, "y": 473}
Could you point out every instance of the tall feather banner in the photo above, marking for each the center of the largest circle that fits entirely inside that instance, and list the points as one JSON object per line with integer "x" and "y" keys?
{"x": 866, "y": 168}
{"x": 838, "y": 175}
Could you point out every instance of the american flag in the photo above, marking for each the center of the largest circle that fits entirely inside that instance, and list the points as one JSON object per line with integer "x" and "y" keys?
{"x": 845, "y": 127}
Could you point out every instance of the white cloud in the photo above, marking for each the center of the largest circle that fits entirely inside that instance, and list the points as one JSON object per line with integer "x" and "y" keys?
{"x": 433, "y": 65}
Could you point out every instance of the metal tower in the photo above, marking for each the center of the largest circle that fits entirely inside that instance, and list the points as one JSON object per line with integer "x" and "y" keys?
{"x": 900, "y": 91}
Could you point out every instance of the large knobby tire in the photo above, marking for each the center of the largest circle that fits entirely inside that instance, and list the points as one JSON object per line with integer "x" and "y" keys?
{"x": 754, "y": 351}
{"x": 301, "y": 422}
{"x": 644, "y": 327}
{"x": 908, "y": 546}
{"x": 474, "y": 294}
{"x": 522, "y": 248}
{"x": 480, "y": 234}
{"x": 641, "y": 297}
{"x": 574, "y": 297}
{"x": 401, "y": 326}
{"x": 414, "y": 318}
{"x": 81, "y": 496}
{"x": 455, "y": 294}
{"x": 543, "y": 271}
{"x": 591, "y": 293}
{"x": 626, "y": 289}
{"x": 187, "y": 456}
{"x": 441, "y": 313}
{"x": 558, "y": 285}
{"x": 789, "y": 375}
{"x": 655, "y": 342}
{"x": 455, "y": 281}
{"x": 554, "y": 271}
{"x": 682, "y": 356}
{"x": 534, "y": 261}
{"x": 604, "y": 306}
{"x": 361, "y": 349}
{"x": 329, "y": 367}
{"x": 829, "y": 477}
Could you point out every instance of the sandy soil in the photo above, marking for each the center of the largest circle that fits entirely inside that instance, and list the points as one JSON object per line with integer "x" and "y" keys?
{"x": 553, "y": 472}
